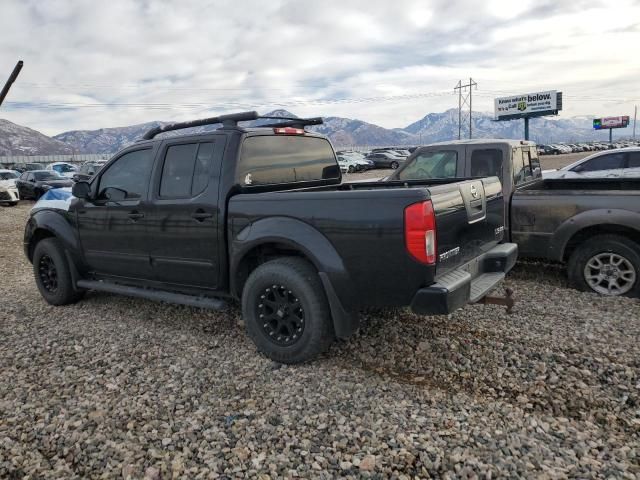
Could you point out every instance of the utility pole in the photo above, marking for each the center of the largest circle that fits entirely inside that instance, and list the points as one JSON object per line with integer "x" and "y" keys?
{"x": 12, "y": 78}
{"x": 465, "y": 99}
{"x": 635, "y": 114}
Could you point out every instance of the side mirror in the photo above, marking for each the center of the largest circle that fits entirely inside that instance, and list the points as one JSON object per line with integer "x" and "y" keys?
{"x": 81, "y": 190}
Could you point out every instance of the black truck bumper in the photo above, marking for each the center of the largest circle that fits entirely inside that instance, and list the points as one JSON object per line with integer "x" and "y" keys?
{"x": 466, "y": 284}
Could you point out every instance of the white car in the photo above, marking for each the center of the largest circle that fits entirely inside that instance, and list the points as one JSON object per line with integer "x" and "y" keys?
{"x": 63, "y": 168}
{"x": 348, "y": 164}
{"x": 8, "y": 190}
{"x": 624, "y": 162}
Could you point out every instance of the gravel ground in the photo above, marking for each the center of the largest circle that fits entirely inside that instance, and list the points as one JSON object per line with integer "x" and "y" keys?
{"x": 124, "y": 388}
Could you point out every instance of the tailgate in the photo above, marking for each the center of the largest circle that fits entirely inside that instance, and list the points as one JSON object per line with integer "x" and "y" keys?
{"x": 469, "y": 220}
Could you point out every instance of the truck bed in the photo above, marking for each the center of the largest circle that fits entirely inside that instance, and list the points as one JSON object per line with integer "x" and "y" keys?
{"x": 545, "y": 214}
{"x": 364, "y": 222}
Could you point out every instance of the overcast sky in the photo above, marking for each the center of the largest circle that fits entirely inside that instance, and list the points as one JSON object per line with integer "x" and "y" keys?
{"x": 93, "y": 64}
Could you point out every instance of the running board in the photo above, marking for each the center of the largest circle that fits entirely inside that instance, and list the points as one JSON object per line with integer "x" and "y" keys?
{"x": 156, "y": 295}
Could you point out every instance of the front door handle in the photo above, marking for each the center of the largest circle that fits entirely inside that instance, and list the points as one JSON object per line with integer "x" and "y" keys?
{"x": 200, "y": 215}
{"x": 135, "y": 215}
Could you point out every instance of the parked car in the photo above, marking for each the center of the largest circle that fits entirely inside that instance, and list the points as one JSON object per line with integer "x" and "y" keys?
{"x": 33, "y": 184}
{"x": 360, "y": 160}
{"x": 592, "y": 224}
{"x": 24, "y": 167}
{"x": 385, "y": 160}
{"x": 619, "y": 163}
{"x": 260, "y": 215}
{"x": 8, "y": 191}
{"x": 347, "y": 164}
{"x": 88, "y": 170}
{"x": 63, "y": 168}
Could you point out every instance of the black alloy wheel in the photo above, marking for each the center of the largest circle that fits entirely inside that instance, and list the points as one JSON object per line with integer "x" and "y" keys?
{"x": 48, "y": 274}
{"x": 281, "y": 314}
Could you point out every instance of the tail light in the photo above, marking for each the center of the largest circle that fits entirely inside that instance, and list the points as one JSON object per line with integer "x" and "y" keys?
{"x": 289, "y": 131}
{"x": 420, "y": 232}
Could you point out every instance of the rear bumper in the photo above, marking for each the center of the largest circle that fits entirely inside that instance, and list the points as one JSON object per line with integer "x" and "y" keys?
{"x": 467, "y": 284}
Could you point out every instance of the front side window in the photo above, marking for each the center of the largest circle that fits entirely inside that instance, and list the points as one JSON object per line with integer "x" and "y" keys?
{"x": 129, "y": 174}
{"x": 486, "y": 163}
{"x": 435, "y": 164}
{"x": 276, "y": 159}
{"x": 603, "y": 162}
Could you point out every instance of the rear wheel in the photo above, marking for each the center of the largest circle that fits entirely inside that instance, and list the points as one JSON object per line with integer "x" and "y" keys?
{"x": 606, "y": 264}
{"x": 394, "y": 165}
{"x": 52, "y": 273}
{"x": 286, "y": 311}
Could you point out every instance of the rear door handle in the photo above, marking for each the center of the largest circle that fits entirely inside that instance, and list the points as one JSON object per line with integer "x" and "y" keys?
{"x": 135, "y": 216}
{"x": 201, "y": 215}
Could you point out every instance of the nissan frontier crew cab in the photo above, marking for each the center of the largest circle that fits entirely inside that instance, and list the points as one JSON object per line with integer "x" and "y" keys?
{"x": 260, "y": 215}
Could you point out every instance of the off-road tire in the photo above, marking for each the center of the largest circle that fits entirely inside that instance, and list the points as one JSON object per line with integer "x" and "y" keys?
{"x": 616, "y": 244}
{"x": 50, "y": 251}
{"x": 301, "y": 282}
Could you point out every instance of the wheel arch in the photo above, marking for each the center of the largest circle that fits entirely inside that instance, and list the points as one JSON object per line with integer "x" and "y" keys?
{"x": 265, "y": 239}
{"x": 576, "y": 229}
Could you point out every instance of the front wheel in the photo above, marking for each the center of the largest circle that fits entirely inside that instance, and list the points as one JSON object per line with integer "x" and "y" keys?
{"x": 606, "y": 264}
{"x": 286, "y": 311}
{"x": 351, "y": 169}
{"x": 52, "y": 273}
{"x": 394, "y": 165}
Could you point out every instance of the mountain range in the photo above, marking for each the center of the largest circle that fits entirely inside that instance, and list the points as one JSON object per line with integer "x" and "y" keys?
{"x": 343, "y": 132}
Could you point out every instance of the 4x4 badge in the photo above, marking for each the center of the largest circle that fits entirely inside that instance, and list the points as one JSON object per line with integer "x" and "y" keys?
{"x": 474, "y": 191}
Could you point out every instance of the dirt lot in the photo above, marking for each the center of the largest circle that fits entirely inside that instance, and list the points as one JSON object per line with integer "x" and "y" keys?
{"x": 114, "y": 387}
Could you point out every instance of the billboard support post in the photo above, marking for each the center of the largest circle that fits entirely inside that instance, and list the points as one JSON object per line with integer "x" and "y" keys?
{"x": 526, "y": 128}
{"x": 611, "y": 135}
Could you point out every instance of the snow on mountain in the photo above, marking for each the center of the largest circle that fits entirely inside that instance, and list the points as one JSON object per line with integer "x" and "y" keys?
{"x": 18, "y": 140}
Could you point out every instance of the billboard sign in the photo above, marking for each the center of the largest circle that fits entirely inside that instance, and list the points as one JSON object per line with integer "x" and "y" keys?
{"x": 611, "y": 122}
{"x": 528, "y": 105}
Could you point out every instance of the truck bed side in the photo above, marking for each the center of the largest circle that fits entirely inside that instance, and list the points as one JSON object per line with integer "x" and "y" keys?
{"x": 546, "y": 215}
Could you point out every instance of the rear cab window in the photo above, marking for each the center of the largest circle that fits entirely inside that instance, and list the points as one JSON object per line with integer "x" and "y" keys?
{"x": 486, "y": 162}
{"x": 282, "y": 159}
{"x": 432, "y": 164}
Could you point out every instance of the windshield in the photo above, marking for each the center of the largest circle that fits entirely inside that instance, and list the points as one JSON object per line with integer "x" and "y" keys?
{"x": 7, "y": 176}
{"x": 435, "y": 164}
{"x": 64, "y": 168}
{"x": 47, "y": 175}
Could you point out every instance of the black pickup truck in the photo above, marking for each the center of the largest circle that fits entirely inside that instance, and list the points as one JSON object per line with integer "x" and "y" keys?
{"x": 591, "y": 224}
{"x": 260, "y": 215}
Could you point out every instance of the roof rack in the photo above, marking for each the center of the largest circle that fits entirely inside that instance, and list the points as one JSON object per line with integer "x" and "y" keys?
{"x": 292, "y": 122}
{"x": 231, "y": 120}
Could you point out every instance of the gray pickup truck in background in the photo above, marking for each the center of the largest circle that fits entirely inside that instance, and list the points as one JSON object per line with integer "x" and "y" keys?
{"x": 591, "y": 224}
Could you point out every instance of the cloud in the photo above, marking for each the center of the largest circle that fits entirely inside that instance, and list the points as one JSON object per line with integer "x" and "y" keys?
{"x": 125, "y": 62}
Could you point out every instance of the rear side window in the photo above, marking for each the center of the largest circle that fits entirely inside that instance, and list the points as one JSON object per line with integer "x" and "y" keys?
{"x": 434, "y": 164}
{"x": 603, "y": 162}
{"x": 274, "y": 159}
{"x": 522, "y": 169}
{"x": 486, "y": 162}
{"x": 186, "y": 170}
